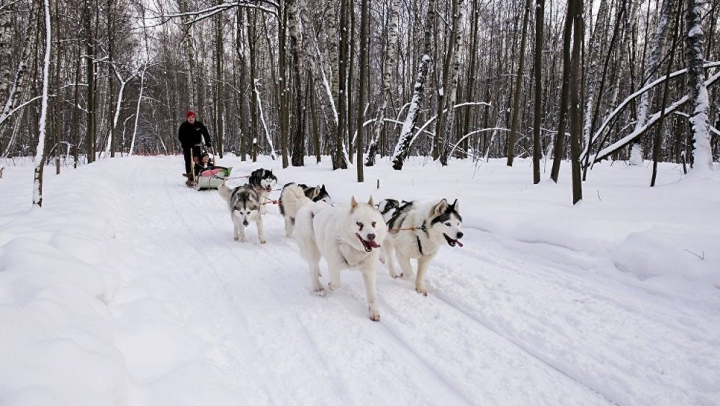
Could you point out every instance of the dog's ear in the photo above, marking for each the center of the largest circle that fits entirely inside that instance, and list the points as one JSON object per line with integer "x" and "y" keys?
{"x": 315, "y": 193}
{"x": 370, "y": 202}
{"x": 353, "y": 203}
{"x": 456, "y": 206}
{"x": 440, "y": 207}
{"x": 323, "y": 188}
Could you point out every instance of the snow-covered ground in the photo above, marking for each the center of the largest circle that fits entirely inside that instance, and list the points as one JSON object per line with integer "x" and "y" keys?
{"x": 126, "y": 288}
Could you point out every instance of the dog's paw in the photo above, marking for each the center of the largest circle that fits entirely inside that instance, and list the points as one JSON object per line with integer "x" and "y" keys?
{"x": 374, "y": 315}
{"x": 262, "y": 241}
{"x": 320, "y": 291}
{"x": 334, "y": 286}
{"x": 421, "y": 290}
{"x": 397, "y": 276}
{"x": 236, "y": 238}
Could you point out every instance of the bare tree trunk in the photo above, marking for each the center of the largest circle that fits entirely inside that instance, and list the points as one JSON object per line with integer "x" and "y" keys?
{"x": 188, "y": 46}
{"x": 388, "y": 70}
{"x": 537, "y": 119}
{"x": 658, "y": 132}
{"x": 40, "y": 151}
{"x": 58, "y": 90}
{"x": 298, "y": 141}
{"x": 219, "y": 87}
{"x": 452, "y": 71}
{"x": 403, "y": 145}
{"x": 17, "y": 89}
{"x": 470, "y": 74}
{"x": 363, "y": 79}
{"x": 597, "y": 40}
{"x": 283, "y": 111}
{"x": 651, "y": 67}
{"x": 90, "y": 76}
{"x": 6, "y": 34}
{"x": 518, "y": 85}
{"x": 137, "y": 109}
{"x": 575, "y": 112}
{"x": 340, "y": 161}
{"x": 702, "y": 153}
{"x": 559, "y": 150}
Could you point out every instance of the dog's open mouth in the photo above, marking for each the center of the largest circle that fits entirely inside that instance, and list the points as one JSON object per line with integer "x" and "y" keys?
{"x": 452, "y": 242}
{"x": 368, "y": 245}
{"x": 268, "y": 188}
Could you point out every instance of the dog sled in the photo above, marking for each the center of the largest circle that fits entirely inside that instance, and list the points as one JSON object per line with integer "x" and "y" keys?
{"x": 207, "y": 182}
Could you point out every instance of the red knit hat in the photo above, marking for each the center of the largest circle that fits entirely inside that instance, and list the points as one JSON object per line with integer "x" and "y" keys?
{"x": 190, "y": 114}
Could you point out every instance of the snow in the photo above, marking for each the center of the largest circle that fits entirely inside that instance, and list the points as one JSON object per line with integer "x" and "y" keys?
{"x": 126, "y": 288}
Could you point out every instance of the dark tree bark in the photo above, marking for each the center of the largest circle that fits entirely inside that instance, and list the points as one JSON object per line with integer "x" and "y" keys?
{"x": 537, "y": 120}
{"x": 559, "y": 148}
{"x": 518, "y": 87}
{"x": 575, "y": 108}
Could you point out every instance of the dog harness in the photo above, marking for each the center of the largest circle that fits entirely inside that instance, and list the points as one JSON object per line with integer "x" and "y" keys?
{"x": 423, "y": 227}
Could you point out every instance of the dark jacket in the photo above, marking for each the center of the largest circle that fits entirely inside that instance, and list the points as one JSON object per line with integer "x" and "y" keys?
{"x": 192, "y": 134}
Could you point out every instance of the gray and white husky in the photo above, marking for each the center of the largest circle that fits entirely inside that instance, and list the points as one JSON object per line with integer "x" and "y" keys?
{"x": 348, "y": 238}
{"x": 417, "y": 231}
{"x": 263, "y": 181}
{"x": 244, "y": 203}
{"x": 289, "y": 211}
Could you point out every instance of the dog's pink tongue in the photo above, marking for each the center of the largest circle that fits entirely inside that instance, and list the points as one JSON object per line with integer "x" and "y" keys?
{"x": 458, "y": 243}
{"x": 373, "y": 244}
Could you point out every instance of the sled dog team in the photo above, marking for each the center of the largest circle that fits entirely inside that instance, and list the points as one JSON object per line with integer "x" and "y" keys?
{"x": 349, "y": 237}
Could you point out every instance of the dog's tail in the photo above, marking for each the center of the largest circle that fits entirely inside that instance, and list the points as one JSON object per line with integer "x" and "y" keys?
{"x": 225, "y": 192}
{"x": 293, "y": 199}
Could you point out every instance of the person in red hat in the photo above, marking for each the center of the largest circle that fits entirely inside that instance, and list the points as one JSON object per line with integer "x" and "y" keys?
{"x": 191, "y": 134}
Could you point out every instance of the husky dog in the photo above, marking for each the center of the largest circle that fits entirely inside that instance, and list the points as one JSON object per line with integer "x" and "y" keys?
{"x": 244, "y": 204}
{"x": 418, "y": 231}
{"x": 346, "y": 237}
{"x": 263, "y": 181}
{"x": 314, "y": 194}
{"x": 387, "y": 208}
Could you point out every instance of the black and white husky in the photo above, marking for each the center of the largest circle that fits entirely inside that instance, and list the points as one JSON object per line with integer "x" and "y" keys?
{"x": 263, "y": 181}
{"x": 313, "y": 193}
{"x": 348, "y": 238}
{"x": 244, "y": 204}
{"x": 417, "y": 231}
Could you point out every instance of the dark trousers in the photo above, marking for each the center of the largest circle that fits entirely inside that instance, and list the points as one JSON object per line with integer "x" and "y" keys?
{"x": 188, "y": 160}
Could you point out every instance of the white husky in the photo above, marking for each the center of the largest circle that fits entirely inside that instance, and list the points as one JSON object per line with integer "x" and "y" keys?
{"x": 346, "y": 237}
{"x": 244, "y": 204}
{"x": 418, "y": 231}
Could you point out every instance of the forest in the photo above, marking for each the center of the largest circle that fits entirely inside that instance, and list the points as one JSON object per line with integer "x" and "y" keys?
{"x": 355, "y": 81}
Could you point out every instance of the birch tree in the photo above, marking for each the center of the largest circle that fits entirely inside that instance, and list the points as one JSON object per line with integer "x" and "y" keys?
{"x": 702, "y": 153}
{"x": 40, "y": 151}
{"x": 518, "y": 86}
{"x": 388, "y": 70}
{"x": 403, "y": 144}
{"x": 452, "y": 71}
{"x": 651, "y": 66}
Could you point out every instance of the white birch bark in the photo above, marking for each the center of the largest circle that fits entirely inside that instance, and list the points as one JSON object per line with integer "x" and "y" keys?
{"x": 262, "y": 119}
{"x": 388, "y": 70}
{"x": 597, "y": 40}
{"x": 452, "y": 83}
{"x": 658, "y": 46}
{"x": 137, "y": 109}
{"x": 17, "y": 89}
{"x": 702, "y": 153}
{"x": 40, "y": 152}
